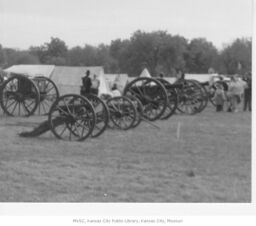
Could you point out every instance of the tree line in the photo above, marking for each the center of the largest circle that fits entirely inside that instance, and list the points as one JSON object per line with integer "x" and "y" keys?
{"x": 159, "y": 51}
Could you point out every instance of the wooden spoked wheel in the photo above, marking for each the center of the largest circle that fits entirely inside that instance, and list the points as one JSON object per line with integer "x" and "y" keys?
{"x": 122, "y": 112}
{"x": 48, "y": 94}
{"x": 190, "y": 97}
{"x": 72, "y": 118}
{"x": 205, "y": 95}
{"x": 19, "y": 96}
{"x": 139, "y": 110}
{"x": 172, "y": 99}
{"x": 151, "y": 94}
{"x": 102, "y": 114}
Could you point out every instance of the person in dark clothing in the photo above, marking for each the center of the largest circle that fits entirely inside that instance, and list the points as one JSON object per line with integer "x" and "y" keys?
{"x": 223, "y": 83}
{"x": 219, "y": 97}
{"x": 180, "y": 75}
{"x": 224, "y": 86}
{"x": 248, "y": 93}
{"x": 87, "y": 83}
{"x": 161, "y": 75}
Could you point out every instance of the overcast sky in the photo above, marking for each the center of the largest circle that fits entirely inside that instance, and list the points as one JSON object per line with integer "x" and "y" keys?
{"x": 32, "y": 22}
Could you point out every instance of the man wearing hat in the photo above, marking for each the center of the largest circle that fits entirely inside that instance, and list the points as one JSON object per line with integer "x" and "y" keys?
{"x": 87, "y": 83}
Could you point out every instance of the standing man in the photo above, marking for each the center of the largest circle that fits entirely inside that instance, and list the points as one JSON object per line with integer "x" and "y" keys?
{"x": 223, "y": 83}
{"x": 248, "y": 93}
{"x": 180, "y": 75}
{"x": 234, "y": 92}
{"x": 87, "y": 83}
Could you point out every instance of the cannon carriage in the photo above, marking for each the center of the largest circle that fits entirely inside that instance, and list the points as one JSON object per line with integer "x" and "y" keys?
{"x": 76, "y": 117}
{"x": 24, "y": 96}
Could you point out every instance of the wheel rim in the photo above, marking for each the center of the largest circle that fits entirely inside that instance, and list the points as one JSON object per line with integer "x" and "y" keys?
{"x": 122, "y": 112}
{"x": 139, "y": 109}
{"x": 204, "y": 98}
{"x": 102, "y": 115}
{"x": 190, "y": 98}
{"x": 172, "y": 99}
{"x": 72, "y": 118}
{"x": 48, "y": 94}
{"x": 151, "y": 94}
{"x": 19, "y": 96}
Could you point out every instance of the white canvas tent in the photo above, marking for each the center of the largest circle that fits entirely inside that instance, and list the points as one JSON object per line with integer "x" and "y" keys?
{"x": 170, "y": 79}
{"x": 145, "y": 73}
{"x": 200, "y": 77}
{"x": 104, "y": 86}
{"x": 67, "y": 79}
{"x": 110, "y": 78}
{"x": 31, "y": 70}
{"x": 121, "y": 80}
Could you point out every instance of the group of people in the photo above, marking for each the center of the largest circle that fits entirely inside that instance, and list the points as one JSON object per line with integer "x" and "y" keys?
{"x": 232, "y": 94}
{"x": 90, "y": 86}
{"x": 227, "y": 95}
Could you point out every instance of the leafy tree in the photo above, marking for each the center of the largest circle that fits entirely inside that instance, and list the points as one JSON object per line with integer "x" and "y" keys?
{"x": 24, "y": 57}
{"x": 19, "y": 57}
{"x": 104, "y": 58}
{"x": 54, "y": 52}
{"x": 159, "y": 51}
{"x": 143, "y": 50}
{"x": 40, "y": 52}
{"x": 119, "y": 53}
{"x": 236, "y": 58}
{"x": 75, "y": 56}
{"x": 201, "y": 56}
{"x": 3, "y": 60}
{"x": 172, "y": 54}
{"x": 56, "y": 48}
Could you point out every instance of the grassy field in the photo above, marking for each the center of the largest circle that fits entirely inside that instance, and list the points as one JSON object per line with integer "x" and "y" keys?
{"x": 210, "y": 162}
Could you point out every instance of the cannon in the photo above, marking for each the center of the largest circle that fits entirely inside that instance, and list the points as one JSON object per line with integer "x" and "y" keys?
{"x": 123, "y": 113}
{"x": 22, "y": 96}
{"x": 152, "y": 95}
{"x": 191, "y": 97}
{"x": 75, "y": 117}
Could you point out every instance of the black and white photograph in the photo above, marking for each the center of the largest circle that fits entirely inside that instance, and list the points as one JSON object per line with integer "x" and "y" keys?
{"x": 124, "y": 101}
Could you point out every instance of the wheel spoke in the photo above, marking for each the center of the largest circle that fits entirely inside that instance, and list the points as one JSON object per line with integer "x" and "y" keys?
{"x": 69, "y": 112}
{"x": 47, "y": 91}
{"x": 25, "y": 107}
{"x": 10, "y": 104}
{"x": 114, "y": 106}
{"x": 60, "y": 109}
{"x": 42, "y": 104}
{"x": 14, "y": 108}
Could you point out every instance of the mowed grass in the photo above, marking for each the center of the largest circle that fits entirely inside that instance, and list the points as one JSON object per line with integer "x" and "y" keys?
{"x": 210, "y": 162}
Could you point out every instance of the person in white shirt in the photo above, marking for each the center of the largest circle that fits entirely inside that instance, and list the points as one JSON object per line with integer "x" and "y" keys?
{"x": 235, "y": 92}
{"x": 95, "y": 85}
{"x": 115, "y": 92}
